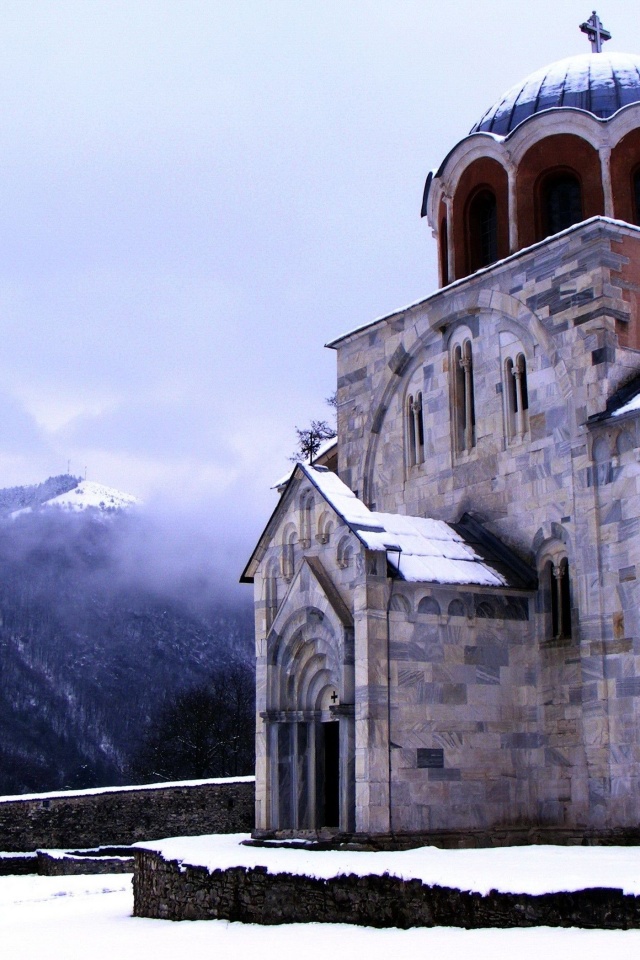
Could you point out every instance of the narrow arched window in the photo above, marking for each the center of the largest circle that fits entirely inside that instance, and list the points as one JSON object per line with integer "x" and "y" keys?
{"x": 482, "y": 227}
{"x": 510, "y": 400}
{"x": 415, "y": 430}
{"x": 411, "y": 432}
{"x": 463, "y": 400}
{"x": 565, "y": 598}
{"x": 306, "y": 520}
{"x": 271, "y": 594}
{"x": 516, "y": 396}
{"x": 561, "y": 202}
{"x": 344, "y": 553}
{"x": 559, "y": 589}
{"x": 289, "y": 541}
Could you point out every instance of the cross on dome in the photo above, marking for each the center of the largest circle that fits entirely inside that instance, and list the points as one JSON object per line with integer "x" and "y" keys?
{"x": 595, "y": 32}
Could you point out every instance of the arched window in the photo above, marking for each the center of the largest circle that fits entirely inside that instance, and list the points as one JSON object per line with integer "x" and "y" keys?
{"x": 484, "y": 610}
{"x": 415, "y": 430}
{"x": 306, "y": 519}
{"x": 561, "y": 202}
{"x": 289, "y": 540}
{"x": 624, "y": 442}
{"x": 400, "y": 604}
{"x": 601, "y": 454}
{"x": 464, "y": 417}
{"x": 344, "y": 552}
{"x": 325, "y": 526}
{"x": 429, "y": 605}
{"x": 482, "y": 230}
{"x": 516, "y": 397}
{"x": 456, "y": 608}
{"x": 557, "y": 592}
{"x": 271, "y": 593}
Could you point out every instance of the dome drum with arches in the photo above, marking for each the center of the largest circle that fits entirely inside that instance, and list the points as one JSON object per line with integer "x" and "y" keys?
{"x": 558, "y": 148}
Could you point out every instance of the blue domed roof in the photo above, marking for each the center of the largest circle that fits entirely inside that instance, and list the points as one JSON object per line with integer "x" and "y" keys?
{"x": 600, "y": 83}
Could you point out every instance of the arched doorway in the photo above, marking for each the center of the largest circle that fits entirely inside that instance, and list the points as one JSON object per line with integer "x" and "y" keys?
{"x": 310, "y": 731}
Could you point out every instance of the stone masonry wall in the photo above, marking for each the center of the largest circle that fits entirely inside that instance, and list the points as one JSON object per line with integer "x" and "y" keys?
{"x": 125, "y": 816}
{"x": 573, "y": 713}
{"x": 168, "y": 890}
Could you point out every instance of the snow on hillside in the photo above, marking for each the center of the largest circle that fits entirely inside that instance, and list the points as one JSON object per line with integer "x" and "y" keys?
{"x": 91, "y": 494}
{"x": 88, "y": 494}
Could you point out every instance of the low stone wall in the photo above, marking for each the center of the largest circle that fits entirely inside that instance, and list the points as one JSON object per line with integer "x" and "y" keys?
{"x": 58, "y": 864}
{"x": 20, "y": 865}
{"x": 122, "y": 816}
{"x": 166, "y": 890}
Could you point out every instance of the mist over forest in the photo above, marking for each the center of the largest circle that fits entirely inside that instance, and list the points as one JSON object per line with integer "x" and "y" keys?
{"x": 124, "y": 657}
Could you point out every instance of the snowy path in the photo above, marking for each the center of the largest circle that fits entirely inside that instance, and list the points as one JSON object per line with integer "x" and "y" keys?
{"x": 89, "y": 918}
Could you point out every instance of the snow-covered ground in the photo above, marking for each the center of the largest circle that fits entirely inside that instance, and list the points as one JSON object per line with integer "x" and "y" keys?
{"x": 527, "y": 869}
{"x": 89, "y": 918}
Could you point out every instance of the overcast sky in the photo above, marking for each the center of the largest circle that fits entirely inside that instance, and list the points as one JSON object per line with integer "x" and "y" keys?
{"x": 196, "y": 196}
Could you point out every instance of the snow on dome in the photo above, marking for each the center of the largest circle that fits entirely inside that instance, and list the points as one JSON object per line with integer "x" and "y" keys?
{"x": 600, "y": 83}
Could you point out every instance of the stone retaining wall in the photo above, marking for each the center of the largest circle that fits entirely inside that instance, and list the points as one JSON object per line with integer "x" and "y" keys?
{"x": 115, "y": 817}
{"x": 166, "y": 890}
{"x": 50, "y": 865}
{"x": 18, "y": 865}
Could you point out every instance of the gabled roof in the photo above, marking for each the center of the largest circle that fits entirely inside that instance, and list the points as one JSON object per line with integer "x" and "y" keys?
{"x": 420, "y": 549}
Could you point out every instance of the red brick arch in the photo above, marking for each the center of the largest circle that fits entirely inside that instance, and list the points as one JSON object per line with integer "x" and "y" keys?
{"x": 561, "y": 152}
{"x": 625, "y": 162}
{"x": 485, "y": 173}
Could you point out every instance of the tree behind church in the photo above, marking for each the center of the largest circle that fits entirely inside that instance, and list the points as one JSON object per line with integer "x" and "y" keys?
{"x": 205, "y": 731}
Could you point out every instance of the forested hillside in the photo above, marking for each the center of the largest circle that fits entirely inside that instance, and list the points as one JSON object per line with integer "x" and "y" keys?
{"x": 95, "y": 662}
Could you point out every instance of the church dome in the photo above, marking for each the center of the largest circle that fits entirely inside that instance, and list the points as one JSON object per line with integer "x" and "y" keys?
{"x": 600, "y": 83}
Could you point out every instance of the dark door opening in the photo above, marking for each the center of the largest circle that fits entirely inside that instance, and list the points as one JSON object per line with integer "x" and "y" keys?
{"x": 330, "y": 789}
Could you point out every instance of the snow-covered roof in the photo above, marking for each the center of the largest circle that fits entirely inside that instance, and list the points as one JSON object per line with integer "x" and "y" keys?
{"x": 421, "y": 549}
{"x": 626, "y": 400}
{"x": 629, "y": 407}
{"x": 600, "y": 83}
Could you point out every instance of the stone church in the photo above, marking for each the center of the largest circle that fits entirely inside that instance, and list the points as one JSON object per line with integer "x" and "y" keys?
{"x": 447, "y": 601}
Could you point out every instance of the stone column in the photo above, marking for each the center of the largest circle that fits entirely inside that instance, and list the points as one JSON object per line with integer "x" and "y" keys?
{"x": 605, "y": 168}
{"x": 513, "y": 208}
{"x": 451, "y": 260}
{"x": 371, "y": 705}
